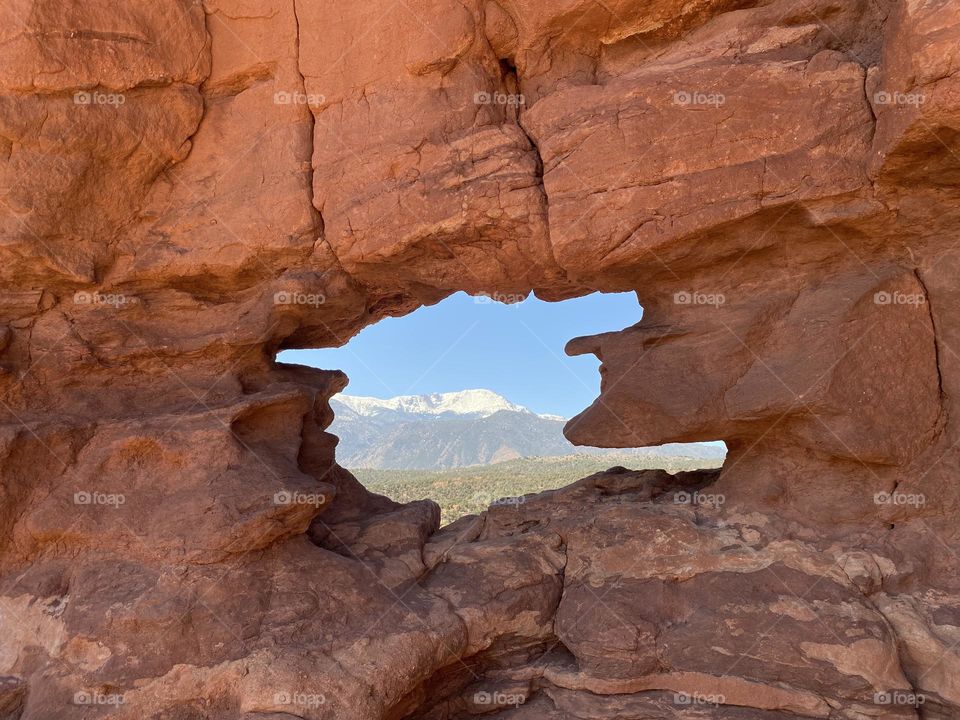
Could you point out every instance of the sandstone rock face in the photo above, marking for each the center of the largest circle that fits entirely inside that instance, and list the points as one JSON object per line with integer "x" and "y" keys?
{"x": 187, "y": 188}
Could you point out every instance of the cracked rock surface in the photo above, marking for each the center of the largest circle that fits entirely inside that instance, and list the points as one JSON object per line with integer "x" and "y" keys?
{"x": 187, "y": 188}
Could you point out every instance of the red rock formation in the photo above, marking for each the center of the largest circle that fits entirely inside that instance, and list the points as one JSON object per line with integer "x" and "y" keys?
{"x": 188, "y": 188}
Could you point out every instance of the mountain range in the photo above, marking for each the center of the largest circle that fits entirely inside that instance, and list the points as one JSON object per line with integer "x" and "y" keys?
{"x": 459, "y": 429}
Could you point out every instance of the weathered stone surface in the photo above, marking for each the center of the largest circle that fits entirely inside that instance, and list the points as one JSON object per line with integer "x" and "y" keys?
{"x": 187, "y": 188}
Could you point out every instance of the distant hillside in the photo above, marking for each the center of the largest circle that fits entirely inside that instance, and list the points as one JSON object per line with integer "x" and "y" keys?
{"x": 458, "y": 430}
{"x": 466, "y": 491}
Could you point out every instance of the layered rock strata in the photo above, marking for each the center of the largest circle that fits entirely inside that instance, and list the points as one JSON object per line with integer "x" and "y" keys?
{"x": 188, "y": 188}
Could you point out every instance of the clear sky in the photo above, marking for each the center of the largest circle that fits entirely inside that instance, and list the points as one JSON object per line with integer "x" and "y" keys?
{"x": 465, "y": 342}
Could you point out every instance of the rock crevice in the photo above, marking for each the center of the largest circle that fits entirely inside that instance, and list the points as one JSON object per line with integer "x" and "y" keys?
{"x": 178, "y": 540}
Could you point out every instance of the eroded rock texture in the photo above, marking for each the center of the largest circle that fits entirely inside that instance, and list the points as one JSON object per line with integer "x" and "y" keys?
{"x": 188, "y": 187}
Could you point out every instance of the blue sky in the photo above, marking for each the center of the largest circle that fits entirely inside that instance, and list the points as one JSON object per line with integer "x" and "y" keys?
{"x": 462, "y": 343}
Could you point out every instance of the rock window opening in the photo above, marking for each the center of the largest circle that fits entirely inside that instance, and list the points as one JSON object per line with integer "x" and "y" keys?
{"x": 465, "y": 402}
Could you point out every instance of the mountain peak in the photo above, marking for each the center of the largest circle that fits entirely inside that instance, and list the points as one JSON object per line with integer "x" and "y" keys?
{"x": 454, "y": 429}
{"x": 477, "y": 402}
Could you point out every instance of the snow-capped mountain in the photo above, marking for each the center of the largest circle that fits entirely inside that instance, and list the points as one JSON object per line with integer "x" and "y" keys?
{"x": 478, "y": 403}
{"x": 456, "y": 429}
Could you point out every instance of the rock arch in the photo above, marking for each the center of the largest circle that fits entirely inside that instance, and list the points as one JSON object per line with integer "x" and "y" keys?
{"x": 189, "y": 188}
